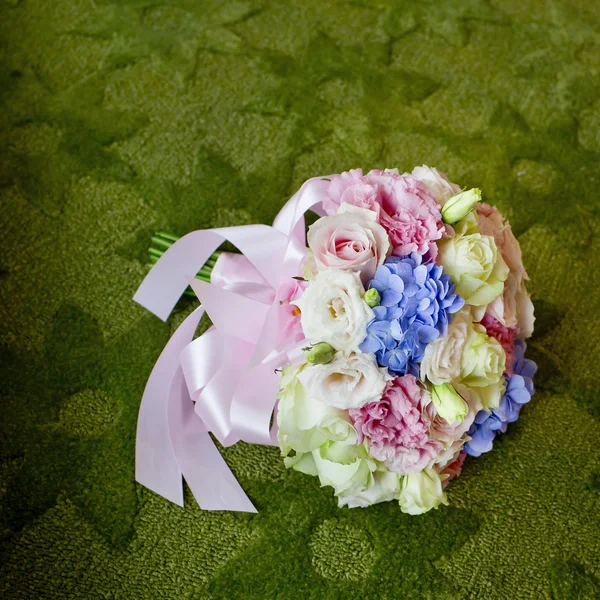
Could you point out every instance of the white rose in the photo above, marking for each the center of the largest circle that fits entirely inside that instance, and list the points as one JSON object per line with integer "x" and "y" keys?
{"x": 421, "y": 492}
{"x": 333, "y": 310}
{"x": 305, "y": 423}
{"x": 385, "y": 487}
{"x": 347, "y": 381}
{"x": 352, "y": 240}
{"x": 437, "y": 183}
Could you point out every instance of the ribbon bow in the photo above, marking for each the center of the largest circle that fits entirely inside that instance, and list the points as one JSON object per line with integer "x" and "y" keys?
{"x": 223, "y": 382}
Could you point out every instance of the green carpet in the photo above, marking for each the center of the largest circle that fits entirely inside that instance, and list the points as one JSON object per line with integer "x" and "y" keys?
{"x": 122, "y": 118}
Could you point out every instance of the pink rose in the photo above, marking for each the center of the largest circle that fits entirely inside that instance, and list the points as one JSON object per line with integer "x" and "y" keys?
{"x": 397, "y": 427}
{"x": 290, "y": 327}
{"x": 504, "y": 335}
{"x": 409, "y": 213}
{"x": 352, "y": 240}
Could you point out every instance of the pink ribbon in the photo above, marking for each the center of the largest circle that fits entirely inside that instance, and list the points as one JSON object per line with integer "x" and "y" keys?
{"x": 223, "y": 382}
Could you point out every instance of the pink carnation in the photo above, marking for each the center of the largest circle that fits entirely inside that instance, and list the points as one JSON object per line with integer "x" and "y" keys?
{"x": 353, "y": 188}
{"x": 397, "y": 427}
{"x": 404, "y": 206}
{"x": 504, "y": 335}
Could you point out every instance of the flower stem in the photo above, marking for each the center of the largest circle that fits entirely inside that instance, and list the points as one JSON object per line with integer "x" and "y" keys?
{"x": 162, "y": 241}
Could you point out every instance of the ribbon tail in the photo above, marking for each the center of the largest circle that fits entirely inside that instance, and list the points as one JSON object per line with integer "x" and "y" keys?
{"x": 210, "y": 479}
{"x": 156, "y": 465}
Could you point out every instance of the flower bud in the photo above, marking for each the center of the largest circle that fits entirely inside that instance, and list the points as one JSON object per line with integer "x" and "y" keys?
{"x": 372, "y": 298}
{"x": 460, "y": 205}
{"x": 320, "y": 354}
{"x": 448, "y": 403}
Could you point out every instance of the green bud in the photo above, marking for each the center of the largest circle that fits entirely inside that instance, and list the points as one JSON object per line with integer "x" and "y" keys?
{"x": 460, "y": 205}
{"x": 320, "y": 354}
{"x": 448, "y": 403}
{"x": 372, "y": 298}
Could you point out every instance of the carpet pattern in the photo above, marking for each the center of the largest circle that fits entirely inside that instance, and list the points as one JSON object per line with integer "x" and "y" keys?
{"x": 122, "y": 118}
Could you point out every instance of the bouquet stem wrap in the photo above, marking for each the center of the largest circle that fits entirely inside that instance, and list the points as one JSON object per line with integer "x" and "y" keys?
{"x": 223, "y": 382}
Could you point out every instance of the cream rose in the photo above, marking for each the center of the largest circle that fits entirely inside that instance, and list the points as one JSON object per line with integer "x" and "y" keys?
{"x": 333, "y": 310}
{"x": 352, "y": 240}
{"x": 476, "y": 266}
{"x": 441, "y": 361}
{"x": 483, "y": 360}
{"x": 421, "y": 492}
{"x": 466, "y": 355}
{"x": 437, "y": 183}
{"x": 348, "y": 381}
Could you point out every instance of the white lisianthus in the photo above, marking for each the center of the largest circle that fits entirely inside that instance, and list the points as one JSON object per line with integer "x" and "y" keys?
{"x": 421, "y": 492}
{"x": 474, "y": 263}
{"x": 333, "y": 309}
{"x": 437, "y": 183}
{"x": 305, "y": 423}
{"x": 348, "y": 381}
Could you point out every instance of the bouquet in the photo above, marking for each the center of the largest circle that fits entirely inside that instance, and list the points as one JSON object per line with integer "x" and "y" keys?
{"x": 390, "y": 341}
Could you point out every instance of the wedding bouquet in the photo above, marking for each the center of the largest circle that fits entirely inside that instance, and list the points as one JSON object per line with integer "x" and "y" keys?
{"x": 394, "y": 344}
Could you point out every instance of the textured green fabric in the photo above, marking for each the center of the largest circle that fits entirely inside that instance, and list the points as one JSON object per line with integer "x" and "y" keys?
{"x": 122, "y": 118}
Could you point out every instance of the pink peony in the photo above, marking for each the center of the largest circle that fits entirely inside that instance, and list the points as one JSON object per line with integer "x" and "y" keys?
{"x": 504, "y": 335}
{"x": 403, "y": 204}
{"x": 397, "y": 427}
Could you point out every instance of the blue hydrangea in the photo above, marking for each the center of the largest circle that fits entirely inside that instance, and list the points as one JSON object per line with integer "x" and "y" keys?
{"x": 519, "y": 390}
{"x": 417, "y": 301}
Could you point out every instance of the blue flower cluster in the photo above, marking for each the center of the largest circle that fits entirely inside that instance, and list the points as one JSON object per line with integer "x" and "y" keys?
{"x": 417, "y": 299}
{"x": 519, "y": 389}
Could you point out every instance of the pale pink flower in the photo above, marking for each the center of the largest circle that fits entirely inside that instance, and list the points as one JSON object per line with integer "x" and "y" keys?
{"x": 490, "y": 223}
{"x": 290, "y": 327}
